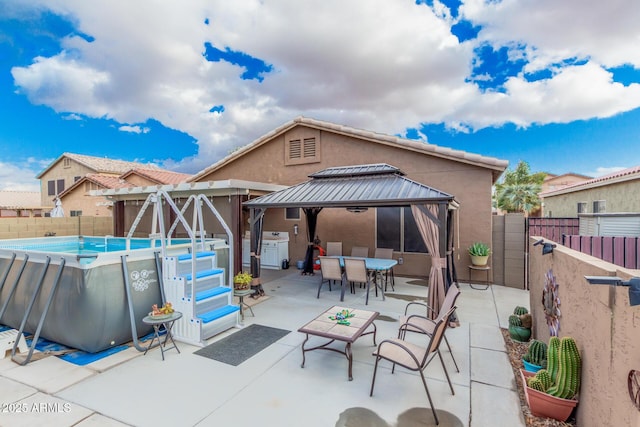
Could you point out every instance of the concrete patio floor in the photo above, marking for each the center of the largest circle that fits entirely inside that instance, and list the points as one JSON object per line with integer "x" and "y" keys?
{"x": 271, "y": 388}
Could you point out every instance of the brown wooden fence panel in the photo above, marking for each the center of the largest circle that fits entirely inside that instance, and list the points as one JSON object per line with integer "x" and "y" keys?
{"x": 553, "y": 228}
{"x": 620, "y": 250}
{"x": 631, "y": 252}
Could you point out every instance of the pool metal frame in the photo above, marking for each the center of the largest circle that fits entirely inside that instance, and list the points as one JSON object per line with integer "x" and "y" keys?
{"x": 197, "y": 240}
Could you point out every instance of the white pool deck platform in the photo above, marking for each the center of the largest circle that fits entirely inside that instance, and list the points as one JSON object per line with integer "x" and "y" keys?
{"x": 271, "y": 389}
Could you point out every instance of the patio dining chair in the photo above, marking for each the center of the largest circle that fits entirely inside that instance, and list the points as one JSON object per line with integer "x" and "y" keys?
{"x": 360, "y": 251}
{"x": 331, "y": 272}
{"x": 422, "y": 324}
{"x": 334, "y": 248}
{"x": 386, "y": 253}
{"x": 414, "y": 357}
{"x": 356, "y": 272}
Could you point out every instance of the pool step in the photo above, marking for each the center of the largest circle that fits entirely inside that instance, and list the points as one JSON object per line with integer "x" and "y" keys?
{"x": 180, "y": 265}
{"x": 204, "y": 299}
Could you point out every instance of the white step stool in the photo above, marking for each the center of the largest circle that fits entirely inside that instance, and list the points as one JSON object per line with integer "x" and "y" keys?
{"x": 7, "y": 339}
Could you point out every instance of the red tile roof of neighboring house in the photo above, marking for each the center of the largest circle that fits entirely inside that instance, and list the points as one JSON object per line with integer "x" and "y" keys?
{"x": 622, "y": 175}
{"x": 20, "y": 199}
{"x": 159, "y": 176}
{"x": 103, "y": 180}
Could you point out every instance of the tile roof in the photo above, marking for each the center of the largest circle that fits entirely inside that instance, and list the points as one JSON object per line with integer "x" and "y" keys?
{"x": 623, "y": 175}
{"x": 497, "y": 165}
{"x": 160, "y": 176}
{"x": 103, "y": 180}
{"x": 100, "y": 164}
{"x": 20, "y": 199}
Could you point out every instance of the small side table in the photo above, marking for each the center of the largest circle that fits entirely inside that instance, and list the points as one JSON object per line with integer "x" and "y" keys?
{"x": 241, "y": 293}
{"x": 486, "y": 269}
{"x": 167, "y": 323}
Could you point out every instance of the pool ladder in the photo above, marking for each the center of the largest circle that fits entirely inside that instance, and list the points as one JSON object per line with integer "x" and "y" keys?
{"x": 192, "y": 282}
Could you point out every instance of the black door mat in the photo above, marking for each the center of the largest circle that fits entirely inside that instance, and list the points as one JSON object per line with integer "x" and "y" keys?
{"x": 240, "y": 346}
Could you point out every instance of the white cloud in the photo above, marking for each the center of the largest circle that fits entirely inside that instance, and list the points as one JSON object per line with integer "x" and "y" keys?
{"x": 373, "y": 64}
{"x": 133, "y": 129}
{"x": 601, "y": 171}
{"x": 20, "y": 176}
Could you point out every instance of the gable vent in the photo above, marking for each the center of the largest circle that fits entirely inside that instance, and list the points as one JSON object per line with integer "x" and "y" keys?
{"x": 295, "y": 149}
{"x": 309, "y": 147}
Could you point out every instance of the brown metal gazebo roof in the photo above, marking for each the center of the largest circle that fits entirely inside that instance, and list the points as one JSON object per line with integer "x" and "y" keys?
{"x": 371, "y": 185}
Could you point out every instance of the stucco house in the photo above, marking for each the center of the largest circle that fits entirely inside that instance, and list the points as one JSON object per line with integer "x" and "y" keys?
{"x": 77, "y": 199}
{"x": 20, "y": 204}
{"x": 555, "y": 182}
{"x": 69, "y": 168}
{"x": 606, "y": 206}
{"x": 290, "y": 153}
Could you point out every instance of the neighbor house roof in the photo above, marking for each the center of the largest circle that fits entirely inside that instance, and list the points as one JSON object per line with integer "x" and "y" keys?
{"x": 629, "y": 174}
{"x": 496, "y": 165}
{"x": 20, "y": 199}
{"x": 103, "y": 180}
{"x": 159, "y": 176}
{"x": 372, "y": 185}
{"x": 99, "y": 164}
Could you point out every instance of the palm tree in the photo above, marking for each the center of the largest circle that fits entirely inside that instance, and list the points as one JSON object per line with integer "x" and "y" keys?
{"x": 519, "y": 190}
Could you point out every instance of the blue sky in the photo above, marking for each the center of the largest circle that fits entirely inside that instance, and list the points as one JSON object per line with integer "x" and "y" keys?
{"x": 181, "y": 84}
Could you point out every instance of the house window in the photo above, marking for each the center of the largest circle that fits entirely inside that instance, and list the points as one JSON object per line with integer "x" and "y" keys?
{"x": 292, "y": 213}
{"x": 66, "y": 162}
{"x": 76, "y": 178}
{"x": 59, "y": 186}
{"x": 302, "y": 146}
{"x": 396, "y": 228}
{"x": 582, "y": 207}
{"x": 599, "y": 206}
{"x": 75, "y": 213}
{"x": 51, "y": 188}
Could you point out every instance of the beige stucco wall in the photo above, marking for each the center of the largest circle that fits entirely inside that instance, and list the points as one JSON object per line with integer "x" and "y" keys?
{"x": 470, "y": 184}
{"x": 603, "y": 324}
{"x": 79, "y": 200}
{"x": 15, "y": 228}
{"x": 58, "y": 171}
{"x": 616, "y": 196}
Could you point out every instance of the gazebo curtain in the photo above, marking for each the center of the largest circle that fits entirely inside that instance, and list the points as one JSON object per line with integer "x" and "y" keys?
{"x": 427, "y": 221}
{"x": 256, "y": 220}
{"x": 312, "y": 221}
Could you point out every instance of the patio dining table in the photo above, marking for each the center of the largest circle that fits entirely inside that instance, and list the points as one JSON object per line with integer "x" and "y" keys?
{"x": 375, "y": 266}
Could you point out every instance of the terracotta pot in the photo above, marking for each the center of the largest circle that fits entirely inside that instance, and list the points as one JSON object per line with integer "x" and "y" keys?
{"x": 479, "y": 261}
{"x": 545, "y": 405}
{"x": 241, "y": 286}
{"x": 520, "y": 334}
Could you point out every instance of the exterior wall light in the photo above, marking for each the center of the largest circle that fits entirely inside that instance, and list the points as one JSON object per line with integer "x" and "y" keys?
{"x": 357, "y": 209}
{"x": 547, "y": 247}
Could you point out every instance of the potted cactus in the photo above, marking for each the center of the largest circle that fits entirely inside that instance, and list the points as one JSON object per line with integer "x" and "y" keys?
{"x": 552, "y": 392}
{"x": 479, "y": 253}
{"x": 536, "y": 356}
{"x": 520, "y": 324}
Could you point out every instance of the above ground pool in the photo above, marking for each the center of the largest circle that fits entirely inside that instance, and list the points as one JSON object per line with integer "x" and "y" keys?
{"x": 89, "y": 310}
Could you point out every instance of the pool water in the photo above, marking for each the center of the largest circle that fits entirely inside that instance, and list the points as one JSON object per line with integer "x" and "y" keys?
{"x": 87, "y": 245}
